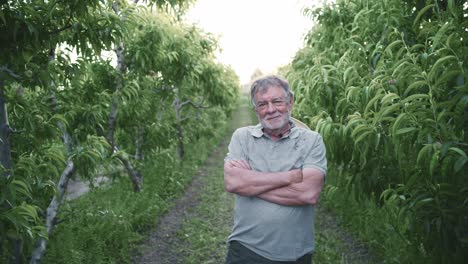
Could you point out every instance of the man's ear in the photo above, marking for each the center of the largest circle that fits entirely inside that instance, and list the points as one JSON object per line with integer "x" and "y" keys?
{"x": 291, "y": 100}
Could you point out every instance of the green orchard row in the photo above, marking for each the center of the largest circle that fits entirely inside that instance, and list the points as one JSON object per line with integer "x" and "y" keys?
{"x": 67, "y": 108}
{"x": 385, "y": 83}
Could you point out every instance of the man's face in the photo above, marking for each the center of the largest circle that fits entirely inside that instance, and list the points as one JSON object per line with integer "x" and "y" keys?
{"x": 273, "y": 108}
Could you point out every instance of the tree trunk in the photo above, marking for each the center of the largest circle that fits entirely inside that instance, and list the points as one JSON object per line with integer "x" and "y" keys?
{"x": 54, "y": 206}
{"x": 134, "y": 175}
{"x": 119, "y": 52}
{"x": 179, "y": 129}
{"x": 17, "y": 250}
{"x": 52, "y": 212}
{"x": 139, "y": 143}
{"x": 178, "y": 105}
{"x": 6, "y": 162}
{"x": 5, "y": 131}
{"x": 112, "y": 122}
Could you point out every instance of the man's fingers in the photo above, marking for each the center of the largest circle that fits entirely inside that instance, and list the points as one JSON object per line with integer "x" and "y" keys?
{"x": 245, "y": 164}
{"x": 297, "y": 176}
{"x": 239, "y": 164}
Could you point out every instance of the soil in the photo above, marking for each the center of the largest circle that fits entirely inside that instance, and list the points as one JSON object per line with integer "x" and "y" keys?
{"x": 162, "y": 243}
{"x": 78, "y": 187}
{"x": 352, "y": 250}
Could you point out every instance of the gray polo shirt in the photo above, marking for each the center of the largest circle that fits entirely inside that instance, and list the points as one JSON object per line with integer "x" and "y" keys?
{"x": 276, "y": 232}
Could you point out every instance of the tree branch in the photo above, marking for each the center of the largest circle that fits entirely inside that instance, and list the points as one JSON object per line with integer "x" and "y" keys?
{"x": 194, "y": 105}
{"x": 10, "y": 72}
{"x": 16, "y": 131}
{"x": 60, "y": 29}
{"x": 66, "y": 26}
{"x": 115, "y": 7}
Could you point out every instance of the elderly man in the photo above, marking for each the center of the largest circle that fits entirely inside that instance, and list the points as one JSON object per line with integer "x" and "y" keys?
{"x": 276, "y": 169}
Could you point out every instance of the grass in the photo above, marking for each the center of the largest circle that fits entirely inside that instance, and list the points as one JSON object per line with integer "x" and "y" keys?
{"x": 377, "y": 225}
{"x": 105, "y": 225}
{"x": 207, "y": 230}
{"x": 208, "y": 227}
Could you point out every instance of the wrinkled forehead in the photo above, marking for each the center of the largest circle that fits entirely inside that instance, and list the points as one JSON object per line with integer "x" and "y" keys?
{"x": 272, "y": 89}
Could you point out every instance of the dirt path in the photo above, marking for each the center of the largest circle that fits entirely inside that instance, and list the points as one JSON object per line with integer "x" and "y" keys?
{"x": 163, "y": 244}
{"x": 195, "y": 229}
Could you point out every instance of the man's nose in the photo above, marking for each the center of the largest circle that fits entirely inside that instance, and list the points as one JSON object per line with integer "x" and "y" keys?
{"x": 270, "y": 107}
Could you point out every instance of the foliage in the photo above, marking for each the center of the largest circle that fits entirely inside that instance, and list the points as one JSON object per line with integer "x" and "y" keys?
{"x": 107, "y": 224}
{"x": 30, "y": 31}
{"x": 166, "y": 61}
{"x": 384, "y": 82}
{"x": 57, "y": 90}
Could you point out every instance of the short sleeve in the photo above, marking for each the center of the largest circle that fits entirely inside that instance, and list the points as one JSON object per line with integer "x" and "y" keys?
{"x": 316, "y": 157}
{"x": 235, "y": 149}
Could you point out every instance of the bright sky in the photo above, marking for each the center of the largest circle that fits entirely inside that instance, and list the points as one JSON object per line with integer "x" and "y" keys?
{"x": 253, "y": 34}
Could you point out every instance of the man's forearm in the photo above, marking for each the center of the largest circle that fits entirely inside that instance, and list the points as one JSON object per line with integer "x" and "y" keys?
{"x": 303, "y": 193}
{"x": 287, "y": 195}
{"x": 242, "y": 180}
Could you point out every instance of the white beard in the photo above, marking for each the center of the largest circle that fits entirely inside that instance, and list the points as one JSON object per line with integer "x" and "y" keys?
{"x": 276, "y": 126}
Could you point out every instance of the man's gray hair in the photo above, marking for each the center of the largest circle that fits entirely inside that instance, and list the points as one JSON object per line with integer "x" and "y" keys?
{"x": 266, "y": 82}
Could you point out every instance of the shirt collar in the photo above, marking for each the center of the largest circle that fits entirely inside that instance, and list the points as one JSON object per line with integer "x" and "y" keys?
{"x": 257, "y": 131}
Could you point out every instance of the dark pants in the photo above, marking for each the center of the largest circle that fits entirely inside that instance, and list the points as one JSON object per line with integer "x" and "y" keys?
{"x": 238, "y": 254}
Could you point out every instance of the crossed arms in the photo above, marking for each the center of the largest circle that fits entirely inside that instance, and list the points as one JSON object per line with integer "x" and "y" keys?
{"x": 294, "y": 187}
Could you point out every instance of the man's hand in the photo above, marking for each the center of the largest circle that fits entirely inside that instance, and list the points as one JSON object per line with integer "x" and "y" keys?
{"x": 239, "y": 178}
{"x": 239, "y": 164}
{"x": 302, "y": 193}
{"x": 296, "y": 176}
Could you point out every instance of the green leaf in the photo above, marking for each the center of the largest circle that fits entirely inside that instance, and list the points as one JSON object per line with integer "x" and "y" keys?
{"x": 346, "y": 74}
{"x": 363, "y": 49}
{"x": 393, "y": 44}
{"x": 400, "y": 67}
{"x": 438, "y": 64}
{"x": 421, "y": 13}
{"x": 415, "y": 97}
{"x": 388, "y": 99}
{"x": 21, "y": 187}
{"x": 414, "y": 85}
{"x": 438, "y": 37}
{"x": 352, "y": 93}
{"x": 434, "y": 162}
{"x": 459, "y": 164}
{"x": 418, "y": 47}
{"x": 2, "y": 16}
{"x": 388, "y": 110}
{"x": 373, "y": 103}
{"x": 397, "y": 122}
{"x": 423, "y": 154}
{"x": 450, "y": 75}
{"x": 405, "y": 130}
{"x": 422, "y": 202}
{"x": 59, "y": 118}
{"x": 28, "y": 211}
{"x": 362, "y": 137}
{"x": 459, "y": 151}
{"x": 453, "y": 8}
{"x": 324, "y": 74}
{"x": 359, "y": 129}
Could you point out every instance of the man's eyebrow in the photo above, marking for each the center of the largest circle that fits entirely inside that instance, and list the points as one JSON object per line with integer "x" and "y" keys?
{"x": 277, "y": 98}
